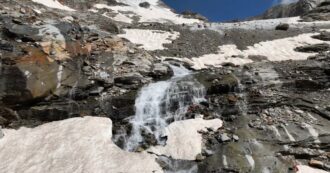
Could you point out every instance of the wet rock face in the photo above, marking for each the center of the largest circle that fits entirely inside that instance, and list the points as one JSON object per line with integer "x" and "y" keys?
{"x": 224, "y": 84}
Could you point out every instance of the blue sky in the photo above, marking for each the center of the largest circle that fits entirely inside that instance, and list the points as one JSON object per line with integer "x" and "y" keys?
{"x": 224, "y": 10}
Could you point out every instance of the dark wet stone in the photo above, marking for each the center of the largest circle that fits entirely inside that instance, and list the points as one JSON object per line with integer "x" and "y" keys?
{"x": 314, "y": 48}
{"x": 161, "y": 71}
{"x": 144, "y": 4}
{"x": 7, "y": 116}
{"x": 325, "y": 36}
{"x": 282, "y": 27}
{"x": 225, "y": 84}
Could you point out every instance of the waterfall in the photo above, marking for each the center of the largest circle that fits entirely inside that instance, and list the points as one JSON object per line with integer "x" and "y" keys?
{"x": 161, "y": 103}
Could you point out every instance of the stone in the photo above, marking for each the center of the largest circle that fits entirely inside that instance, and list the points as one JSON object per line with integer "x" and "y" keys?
{"x": 207, "y": 153}
{"x": 224, "y": 138}
{"x": 96, "y": 90}
{"x": 7, "y": 116}
{"x": 161, "y": 71}
{"x": 227, "y": 83}
{"x": 144, "y": 4}
{"x": 282, "y": 26}
{"x": 236, "y": 138}
{"x": 315, "y": 48}
{"x": 316, "y": 163}
{"x": 4, "y": 45}
{"x": 325, "y": 36}
{"x": 21, "y": 31}
{"x": 232, "y": 98}
{"x": 129, "y": 79}
{"x": 200, "y": 157}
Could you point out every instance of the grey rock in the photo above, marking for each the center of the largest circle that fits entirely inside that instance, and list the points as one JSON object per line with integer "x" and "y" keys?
{"x": 129, "y": 79}
{"x": 325, "y": 36}
{"x": 282, "y": 26}
{"x": 144, "y": 4}
{"x": 224, "y": 138}
{"x": 236, "y": 138}
{"x": 314, "y": 48}
{"x": 21, "y": 31}
{"x": 161, "y": 71}
{"x": 96, "y": 90}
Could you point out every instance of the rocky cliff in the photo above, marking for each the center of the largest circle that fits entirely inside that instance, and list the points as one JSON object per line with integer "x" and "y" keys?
{"x": 250, "y": 96}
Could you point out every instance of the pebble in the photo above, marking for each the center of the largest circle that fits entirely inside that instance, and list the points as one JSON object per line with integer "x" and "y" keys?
{"x": 236, "y": 138}
{"x": 224, "y": 137}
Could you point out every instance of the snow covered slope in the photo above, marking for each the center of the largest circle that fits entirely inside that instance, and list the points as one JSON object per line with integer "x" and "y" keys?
{"x": 72, "y": 146}
{"x": 53, "y": 4}
{"x": 156, "y": 12}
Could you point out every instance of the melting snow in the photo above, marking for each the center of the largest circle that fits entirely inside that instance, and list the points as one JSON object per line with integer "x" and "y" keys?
{"x": 155, "y": 13}
{"x": 150, "y": 39}
{"x": 53, "y": 4}
{"x": 307, "y": 169}
{"x": 294, "y": 22}
{"x": 274, "y": 50}
{"x": 71, "y": 146}
{"x": 183, "y": 140}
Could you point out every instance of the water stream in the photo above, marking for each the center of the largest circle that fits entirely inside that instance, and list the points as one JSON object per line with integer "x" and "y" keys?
{"x": 158, "y": 104}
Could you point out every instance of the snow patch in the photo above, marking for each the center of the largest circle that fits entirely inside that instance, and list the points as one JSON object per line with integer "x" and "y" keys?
{"x": 307, "y": 169}
{"x": 150, "y": 39}
{"x": 155, "y": 13}
{"x": 183, "y": 140}
{"x": 53, "y": 4}
{"x": 268, "y": 24}
{"x": 274, "y": 50}
{"x": 71, "y": 146}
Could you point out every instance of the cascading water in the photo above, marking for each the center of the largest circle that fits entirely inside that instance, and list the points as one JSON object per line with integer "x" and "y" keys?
{"x": 161, "y": 103}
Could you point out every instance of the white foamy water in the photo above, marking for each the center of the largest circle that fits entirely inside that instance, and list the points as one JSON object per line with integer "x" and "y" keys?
{"x": 163, "y": 102}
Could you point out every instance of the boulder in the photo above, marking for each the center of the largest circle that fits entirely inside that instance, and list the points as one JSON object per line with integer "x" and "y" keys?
{"x": 325, "y": 36}
{"x": 225, "y": 84}
{"x": 161, "y": 71}
{"x": 144, "y": 4}
{"x": 283, "y": 27}
{"x": 315, "y": 48}
{"x": 129, "y": 79}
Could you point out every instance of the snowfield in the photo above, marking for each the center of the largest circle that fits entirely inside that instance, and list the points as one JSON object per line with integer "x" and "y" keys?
{"x": 150, "y": 39}
{"x": 84, "y": 145}
{"x": 53, "y": 4}
{"x": 307, "y": 169}
{"x": 155, "y": 13}
{"x": 71, "y": 146}
{"x": 274, "y": 50}
{"x": 184, "y": 141}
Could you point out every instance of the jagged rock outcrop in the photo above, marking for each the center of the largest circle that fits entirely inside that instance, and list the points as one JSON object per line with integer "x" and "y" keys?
{"x": 290, "y": 10}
